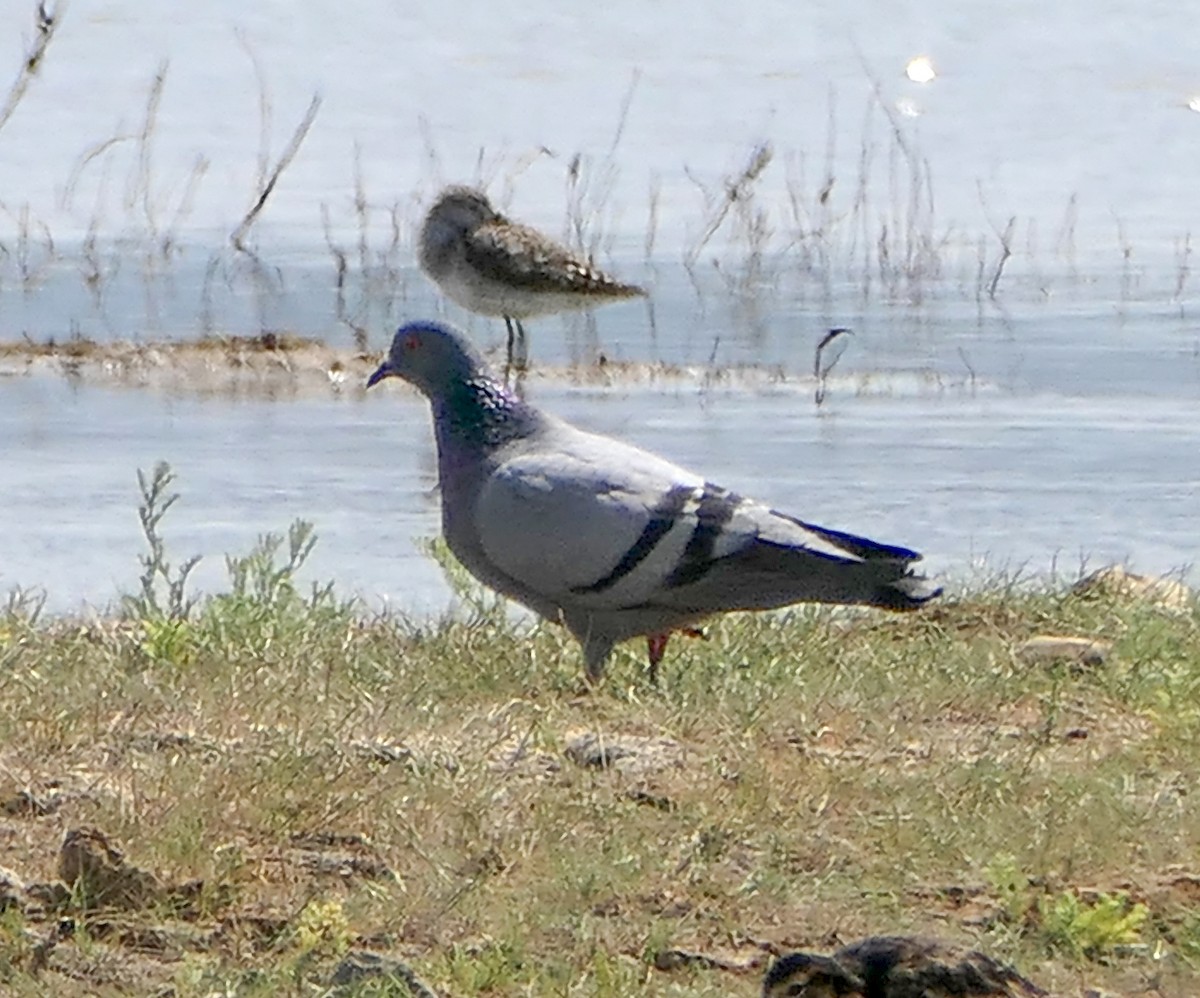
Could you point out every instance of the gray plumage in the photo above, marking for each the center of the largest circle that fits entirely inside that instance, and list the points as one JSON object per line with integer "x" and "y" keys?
{"x": 608, "y": 539}
{"x": 491, "y": 265}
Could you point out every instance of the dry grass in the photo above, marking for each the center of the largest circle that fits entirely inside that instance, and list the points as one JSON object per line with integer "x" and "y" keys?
{"x": 302, "y": 779}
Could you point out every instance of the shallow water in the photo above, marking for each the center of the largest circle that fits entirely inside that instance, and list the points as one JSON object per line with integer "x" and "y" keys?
{"x": 1053, "y": 423}
{"x": 1035, "y": 102}
{"x": 969, "y": 475}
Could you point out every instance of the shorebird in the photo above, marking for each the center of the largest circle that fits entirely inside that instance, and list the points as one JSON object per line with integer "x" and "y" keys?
{"x": 896, "y": 967}
{"x": 491, "y": 265}
{"x": 608, "y": 539}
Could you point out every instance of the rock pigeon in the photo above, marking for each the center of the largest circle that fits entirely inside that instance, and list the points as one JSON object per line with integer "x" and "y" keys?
{"x": 493, "y": 266}
{"x": 896, "y": 967}
{"x": 606, "y": 538}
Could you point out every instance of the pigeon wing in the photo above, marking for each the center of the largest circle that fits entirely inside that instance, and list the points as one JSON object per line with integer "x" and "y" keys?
{"x": 598, "y": 525}
{"x": 598, "y": 535}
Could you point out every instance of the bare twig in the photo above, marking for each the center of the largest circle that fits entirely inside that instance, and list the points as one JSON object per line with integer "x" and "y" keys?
{"x": 1126, "y": 258}
{"x": 1183, "y": 267}
{"x": 1064, "y": 240}
{"x": 652, "y": 222}
{"x": 623, "y": 116}
{"x": 737, "y": 189}
{"x": 710, "y": 372}
{"x": 264, "y": 110}
{"x": 30, "y": 262}
{"x": 962, "y": 355}
{"x": 140, "y": 188}
{"x": 341, "y": 270}
{"x": 362, "y": 214}
{"x": 1005, "y": 238}
{"x": 186, "y": 201}
{"x": 590, "y": 186}
{"x": 46, "y": 22}
{"x": 913, "y": 251}
{"x": 433, "y": 161}
{"x": 821, "y": 369}
{"x": 207, "y": 313}
{"x": 84, "y": 161}
{"x": 238, "y": 236}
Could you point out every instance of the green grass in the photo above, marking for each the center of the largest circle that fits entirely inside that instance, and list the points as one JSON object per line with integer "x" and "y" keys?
{"x": 336, "y": 779}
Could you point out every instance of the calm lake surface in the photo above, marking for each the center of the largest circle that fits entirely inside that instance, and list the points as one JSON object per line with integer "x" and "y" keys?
{"x": 1010, "y": 243}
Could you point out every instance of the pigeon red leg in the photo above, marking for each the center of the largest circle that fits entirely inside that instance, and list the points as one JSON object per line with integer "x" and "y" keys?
{"x": 656, "y": 647}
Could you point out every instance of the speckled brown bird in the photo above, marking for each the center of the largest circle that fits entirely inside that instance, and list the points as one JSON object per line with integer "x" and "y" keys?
{"x": 896, "y": 967}
{"x": 491, "y": 265}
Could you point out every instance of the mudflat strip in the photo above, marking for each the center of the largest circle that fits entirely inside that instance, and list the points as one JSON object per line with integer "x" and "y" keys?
{"x": 282, "y": 365}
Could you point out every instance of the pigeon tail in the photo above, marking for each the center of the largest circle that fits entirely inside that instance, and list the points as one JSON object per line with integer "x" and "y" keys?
{"x": 900, "y": 588}
{"x": 883, "y": 576}
{"x": 909, "y": 592}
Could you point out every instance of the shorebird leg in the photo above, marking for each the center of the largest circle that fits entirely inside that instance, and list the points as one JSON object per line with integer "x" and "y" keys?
{"x": 522, "y": 348}
{"x": 508, "y": 359}
{"x": 656, "y": 647}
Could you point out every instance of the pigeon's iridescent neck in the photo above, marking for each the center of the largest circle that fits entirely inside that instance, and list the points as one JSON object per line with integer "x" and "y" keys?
{"x": 478, "y": 415}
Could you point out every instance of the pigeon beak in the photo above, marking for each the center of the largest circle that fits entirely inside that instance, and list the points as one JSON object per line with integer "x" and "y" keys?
{"x": 383, "y": 371}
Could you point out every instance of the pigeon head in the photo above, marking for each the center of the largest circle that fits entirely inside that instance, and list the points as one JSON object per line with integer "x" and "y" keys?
{"x": 472, "y": 411}
{"x": 432, "y": 357}
{"x": 804, "y": 975}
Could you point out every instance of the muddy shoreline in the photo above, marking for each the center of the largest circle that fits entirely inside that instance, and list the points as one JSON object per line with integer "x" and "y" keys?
{"x": 271, "y": 365}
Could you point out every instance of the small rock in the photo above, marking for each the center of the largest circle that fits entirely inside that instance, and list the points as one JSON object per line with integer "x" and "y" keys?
{"x": 26, "y": 804}
{"x": 381, "y": 752}
{"x": 174, "y": 742}
{"x": 486, "y": 863}
{"x": 321, "y": 839}
{"x": 64, "y": 928}
{"x": 415, "y": 756}
{"x": 97, "y": 870}
{"x": 361, "y": 965}
{"x": 169, "y": 941}
{"x": 625, "y": 753}
{"x": 341, "y": 864}
{"x": 518, "y": 756}
{"x": 674, "y": 959}
{"x": 1050, "y": 649}
{"x": 11, "y": 889}
{"x": 51, "y": 896}
{"x": 608, "y": 908}
{"x": 1114, "y": 581}
{"x": 660, "y": 802}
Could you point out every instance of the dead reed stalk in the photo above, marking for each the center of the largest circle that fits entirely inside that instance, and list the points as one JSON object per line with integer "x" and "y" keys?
{"x": 46, "y": 23}
{"x": 238, "y": 236}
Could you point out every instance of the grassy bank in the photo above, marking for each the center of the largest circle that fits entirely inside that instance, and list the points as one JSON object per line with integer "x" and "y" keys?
{"x": 292, "y": 778}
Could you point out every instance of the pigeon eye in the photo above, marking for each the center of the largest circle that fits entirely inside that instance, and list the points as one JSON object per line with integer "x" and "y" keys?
{"x": 412, "y": 341}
